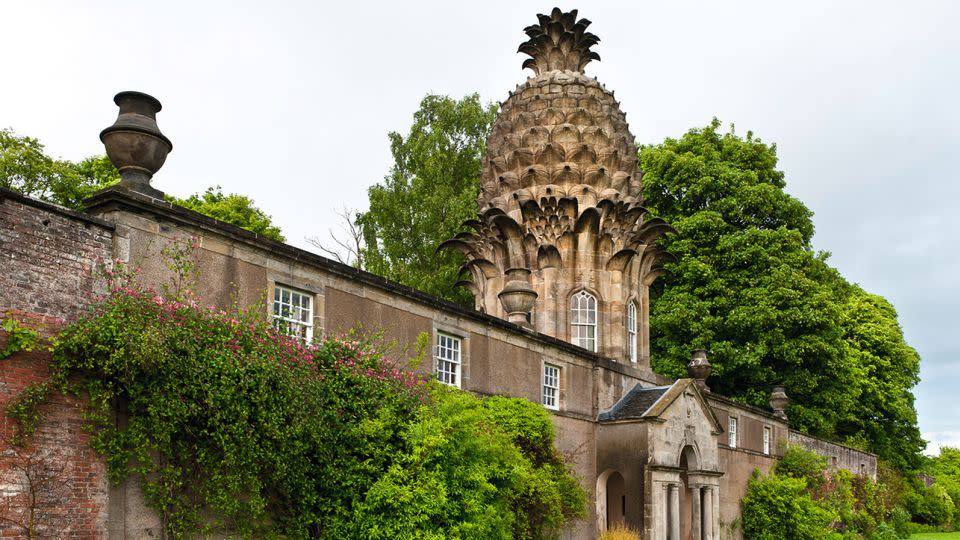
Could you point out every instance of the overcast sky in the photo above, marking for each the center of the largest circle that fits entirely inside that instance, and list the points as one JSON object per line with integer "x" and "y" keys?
{"x": 290, "y": 103}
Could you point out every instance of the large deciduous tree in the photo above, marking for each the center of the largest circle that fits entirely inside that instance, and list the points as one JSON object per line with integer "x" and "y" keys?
{"x": 232, "y": 208}
{"x": 748, "y": 287}
{"x": 26, "y": 168}
{"x": 430, "y": 191}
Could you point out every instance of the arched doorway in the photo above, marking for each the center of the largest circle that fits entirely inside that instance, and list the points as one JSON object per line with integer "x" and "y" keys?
{"x": 616, "y": 500}
{"x": 698, "y": 505}
{"x": 688, "y": 462}
{"x": 611, "y": 500}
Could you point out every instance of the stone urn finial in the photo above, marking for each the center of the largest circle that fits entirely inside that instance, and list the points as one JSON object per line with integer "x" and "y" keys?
{"x": 779, "y": 401}
{"x": 699, "y": 368}
{"x": 134, "y": 143}
{"x": 517, "y": 296}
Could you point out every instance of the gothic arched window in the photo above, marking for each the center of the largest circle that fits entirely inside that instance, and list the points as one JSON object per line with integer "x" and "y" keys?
{"x": 583, "y": 320}
{"x": 632, "y": 331}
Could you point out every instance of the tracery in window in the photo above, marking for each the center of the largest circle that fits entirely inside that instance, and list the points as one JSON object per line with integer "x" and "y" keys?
{"x": 583, "y": 320}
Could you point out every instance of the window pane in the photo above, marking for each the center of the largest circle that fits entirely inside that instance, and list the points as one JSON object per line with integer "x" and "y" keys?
{"x": 583, "y": 320}
{"x": 293, "y": 312}
{"x": 448, "y": 359}
{"x": 551, "y": 386}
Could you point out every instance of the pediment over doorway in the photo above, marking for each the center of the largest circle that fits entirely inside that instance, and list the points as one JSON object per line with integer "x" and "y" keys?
{"x": 655, "y": 404}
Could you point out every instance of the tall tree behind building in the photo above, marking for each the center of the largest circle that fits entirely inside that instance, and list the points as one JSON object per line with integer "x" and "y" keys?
{"x": 748, "y": 287}
{"x": 429, "y": 192}
{"x": 26, "y": 168}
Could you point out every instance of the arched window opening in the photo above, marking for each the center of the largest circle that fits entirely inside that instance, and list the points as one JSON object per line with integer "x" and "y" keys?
{"x": 583, "y": 320}
{"x": 632, "y": 331}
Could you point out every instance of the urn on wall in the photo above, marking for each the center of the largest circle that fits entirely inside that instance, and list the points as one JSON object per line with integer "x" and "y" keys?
{"x": 517, "y": 296}
{"x": 779, "y": 402}
{"x": 699, "y": 368}
{"x": 134, "y": 143}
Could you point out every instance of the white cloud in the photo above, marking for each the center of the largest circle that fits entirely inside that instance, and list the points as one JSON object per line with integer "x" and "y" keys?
{"x": 936, "y": 439}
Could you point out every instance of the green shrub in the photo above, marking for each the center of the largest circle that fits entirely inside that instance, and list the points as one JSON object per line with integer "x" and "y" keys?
{"x": 917, "y": 528}
{"x": 780, "y": 508}
{"x": 884, "y": 532}
{"x": 798, "y": 462}
{"x": 913, "y": 502}
{"x": 231, "y": 427}
{"x": 802, "y": 500}
{"x": 952, "y": 486}
{"x": 861, "y": 522}
{"x": 900, "y": 521}
{"x": 937, "y": 507}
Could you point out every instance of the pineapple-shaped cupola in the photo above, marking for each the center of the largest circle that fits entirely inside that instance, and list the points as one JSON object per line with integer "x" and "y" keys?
{"x": 560, "y": 218}
{"x": 559, "y": 43}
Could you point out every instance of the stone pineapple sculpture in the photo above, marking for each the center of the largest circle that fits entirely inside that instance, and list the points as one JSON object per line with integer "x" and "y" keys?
{"x": 560, "y": 199}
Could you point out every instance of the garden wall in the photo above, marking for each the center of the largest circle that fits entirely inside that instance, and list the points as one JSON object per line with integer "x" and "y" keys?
{"x": 49, "y": 258}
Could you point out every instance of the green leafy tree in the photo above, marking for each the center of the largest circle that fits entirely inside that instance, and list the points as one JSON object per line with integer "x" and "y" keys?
{"x": 884, "y": 416}
{"x": 232, "y": 208}
{"x": 748, "y": 286}
{"x": 24, "y": 167}
{"x": 430, "y": 191}
{"x": 945, "y": 469}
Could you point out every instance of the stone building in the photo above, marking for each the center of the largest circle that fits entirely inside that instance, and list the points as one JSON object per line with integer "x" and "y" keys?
{"x": 560, "y": 258}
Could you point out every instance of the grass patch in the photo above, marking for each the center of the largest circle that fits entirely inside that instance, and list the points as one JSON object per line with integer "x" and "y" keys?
{"x": 936, "y": 536}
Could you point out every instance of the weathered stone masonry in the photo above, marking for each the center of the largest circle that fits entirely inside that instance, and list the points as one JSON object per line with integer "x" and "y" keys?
{"x": 49, "y": 257}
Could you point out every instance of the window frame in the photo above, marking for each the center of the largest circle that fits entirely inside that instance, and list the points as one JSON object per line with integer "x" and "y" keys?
{"x": 733, "y": 432}
{"x": 452, "y": 378}
{"x": 575, "y": 311}
{"x": 284, "y": 323}
{"x": 545, "y": 380}
{"x": 632, "y": 331}
{"x": 766, "y": 440}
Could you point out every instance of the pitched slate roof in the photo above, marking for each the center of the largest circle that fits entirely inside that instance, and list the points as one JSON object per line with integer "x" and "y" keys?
{"x": 640, "y": 403}
{"x": 635, "y": 403}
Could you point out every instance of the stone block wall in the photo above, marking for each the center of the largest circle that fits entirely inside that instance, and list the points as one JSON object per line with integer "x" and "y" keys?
{"x": 838, "y": 456}
{"x": 49, "y": 259}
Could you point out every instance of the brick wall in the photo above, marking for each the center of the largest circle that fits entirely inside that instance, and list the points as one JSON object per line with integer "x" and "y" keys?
{"x": 49, "y": 257}
{"x": 48, "y": 264}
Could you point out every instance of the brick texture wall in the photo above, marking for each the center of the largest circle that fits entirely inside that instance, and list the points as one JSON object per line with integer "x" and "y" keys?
{"x": 48, "y": 265}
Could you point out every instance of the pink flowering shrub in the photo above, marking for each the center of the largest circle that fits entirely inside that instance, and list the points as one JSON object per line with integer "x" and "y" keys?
{"x": 224, "y": 416}
{"x": 231, "y": 427}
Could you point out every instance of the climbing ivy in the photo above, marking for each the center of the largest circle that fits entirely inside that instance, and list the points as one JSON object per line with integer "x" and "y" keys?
{"x": 19, "y": 337}
{"x": 231, "y": 427}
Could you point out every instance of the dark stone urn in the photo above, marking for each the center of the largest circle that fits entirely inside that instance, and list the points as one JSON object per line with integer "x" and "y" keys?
{"x": 517, "y": 296}
{"x": 699, "y": 369}
{"x": 779, "y": 401}
{"x": 134, "y": 143}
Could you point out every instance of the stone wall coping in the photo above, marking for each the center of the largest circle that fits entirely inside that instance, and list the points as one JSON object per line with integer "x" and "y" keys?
{"x": 828, "y": 441}
{"x": 54, "y": 209}
{"x": 749, "y": 408}
{"x": 114, "y": 198}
